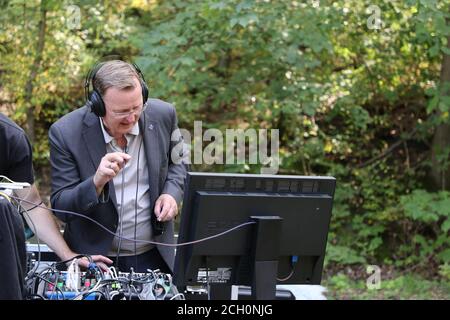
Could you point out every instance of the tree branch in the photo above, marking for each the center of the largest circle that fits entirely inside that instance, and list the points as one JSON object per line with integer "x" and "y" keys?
{"x": 388, "y": 151}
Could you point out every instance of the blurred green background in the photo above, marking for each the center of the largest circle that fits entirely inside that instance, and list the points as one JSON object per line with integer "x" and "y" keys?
{"x": 358, "y": 89}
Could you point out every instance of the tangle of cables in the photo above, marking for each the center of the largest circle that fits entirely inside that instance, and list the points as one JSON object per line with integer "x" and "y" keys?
{"x": 51, "y": 283}
{"x": 93, "y": 284}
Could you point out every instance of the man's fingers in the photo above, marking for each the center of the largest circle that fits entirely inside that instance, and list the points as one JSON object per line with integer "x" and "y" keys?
{"x": 158, "y": 208}
{"x": 166, "y": 207}
{"x": 109, "y": 167}
{"x": 174, "y": 212}
{"x": 119, "y": 157}
{"x": 102, "y": 266}
{"x": 171, "y": 213}
{"x": 99, "y": 258}
{"x": 164, "y": 212}
{"x": 101, "y": 262}
{"x": 168, "y": 211}
{"x": 110, "y": 173}
{"x": 115, "y": 167}
{"x": 83, "y": 263}
{"x": 112, "y": 157}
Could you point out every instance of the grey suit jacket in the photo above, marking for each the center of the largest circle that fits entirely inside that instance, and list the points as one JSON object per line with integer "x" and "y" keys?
{"x": 76, "y": 148}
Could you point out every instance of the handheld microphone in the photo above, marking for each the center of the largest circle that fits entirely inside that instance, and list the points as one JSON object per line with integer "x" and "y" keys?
{"x": 159, "y": 227}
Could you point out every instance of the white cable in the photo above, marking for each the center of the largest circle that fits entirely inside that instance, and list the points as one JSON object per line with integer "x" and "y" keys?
{"x": 178, "y": 295}
{"x": 10, "y": 184}
{"x": 113, "y": 272}
{"x": 73, "y": 276}
{"x": 113, "y": 294}
{"x": 97, "y": 286}
{"x": 135, "y": 290}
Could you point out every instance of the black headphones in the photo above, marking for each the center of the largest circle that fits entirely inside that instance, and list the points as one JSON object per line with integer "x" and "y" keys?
{"x": 94, "y": 100}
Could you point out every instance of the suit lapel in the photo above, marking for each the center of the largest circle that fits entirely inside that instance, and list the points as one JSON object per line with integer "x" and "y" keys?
{"x": 95, "y": 144}
{"x": 152, "y": 152}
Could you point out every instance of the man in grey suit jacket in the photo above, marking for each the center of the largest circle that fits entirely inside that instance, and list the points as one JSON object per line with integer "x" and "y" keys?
{"x": 112, "y": 162}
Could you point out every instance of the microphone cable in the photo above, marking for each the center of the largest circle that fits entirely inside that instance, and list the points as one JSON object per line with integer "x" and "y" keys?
{"x": 136, "y": 200}
{"x": 121, "y": 212}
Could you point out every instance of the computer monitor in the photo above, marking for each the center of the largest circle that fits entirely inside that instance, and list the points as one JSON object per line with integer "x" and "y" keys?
{"x": 284, "y": 243}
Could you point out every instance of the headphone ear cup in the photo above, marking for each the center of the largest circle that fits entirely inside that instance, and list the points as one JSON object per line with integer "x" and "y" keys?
{"x": 144, "y": 91}
{"x": 97, "y": 105}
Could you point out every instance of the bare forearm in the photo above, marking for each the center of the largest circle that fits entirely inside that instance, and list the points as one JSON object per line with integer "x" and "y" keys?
{"x": 46, "y": 229}
{"x": 44, "y": 225}
{"x": 42, "y": 222}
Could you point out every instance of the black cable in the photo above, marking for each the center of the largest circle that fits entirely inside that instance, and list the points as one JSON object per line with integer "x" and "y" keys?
{"x": 37, "y": 279}
{"x": 35, "y": 268}
{"x": 55, "y": 287}
{"x": 121, "y": 216}
{"x": 34, "y": 207}
{"x": 121, "y": 207}
{"x": 85, "y": 295}
{"x": 76, "y": 257}
{"x": 146, "y": 241}
{"x": 136, "y": 201}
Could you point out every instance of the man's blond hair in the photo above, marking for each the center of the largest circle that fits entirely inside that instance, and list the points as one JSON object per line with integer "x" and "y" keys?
{"x": 115, "y": 73}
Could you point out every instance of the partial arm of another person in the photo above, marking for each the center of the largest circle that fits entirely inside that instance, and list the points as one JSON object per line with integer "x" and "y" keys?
{"x": 43, "y": 224}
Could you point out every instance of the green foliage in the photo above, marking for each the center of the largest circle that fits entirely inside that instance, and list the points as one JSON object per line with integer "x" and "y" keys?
{"x": 427, "y": 207}
{"x": 398, "y": 287}
{"x": 430, "y": 214}
{"x": 444, "y": 271}
{"x": 344, "y": 255}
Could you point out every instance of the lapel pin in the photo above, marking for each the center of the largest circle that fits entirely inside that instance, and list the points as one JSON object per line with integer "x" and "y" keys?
{"x": 150, "y": 127}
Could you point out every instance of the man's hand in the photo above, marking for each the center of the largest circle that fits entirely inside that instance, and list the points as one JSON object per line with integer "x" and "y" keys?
{"x": 109, "y": 167}
{"x": 166, "y": 207}
{"x": 101, "y": 262}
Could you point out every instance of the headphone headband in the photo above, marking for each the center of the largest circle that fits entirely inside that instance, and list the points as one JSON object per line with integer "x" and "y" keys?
{"x": 94, "y": 100}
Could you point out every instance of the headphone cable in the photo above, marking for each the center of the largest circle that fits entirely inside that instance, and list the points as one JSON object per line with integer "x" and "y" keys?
{"x": 121, "y": 213}
{"x": 136, "y": 201}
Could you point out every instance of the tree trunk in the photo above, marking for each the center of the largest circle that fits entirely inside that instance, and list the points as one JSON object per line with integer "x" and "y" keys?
{"x": 34, "y": 71}
{"x": 441, "y": 139}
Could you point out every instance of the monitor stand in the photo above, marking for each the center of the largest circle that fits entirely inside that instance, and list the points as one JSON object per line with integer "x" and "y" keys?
{"x": 264, "y": 252}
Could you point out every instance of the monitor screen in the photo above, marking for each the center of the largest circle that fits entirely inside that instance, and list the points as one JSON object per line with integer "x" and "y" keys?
{"x": 297, "y": 207}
